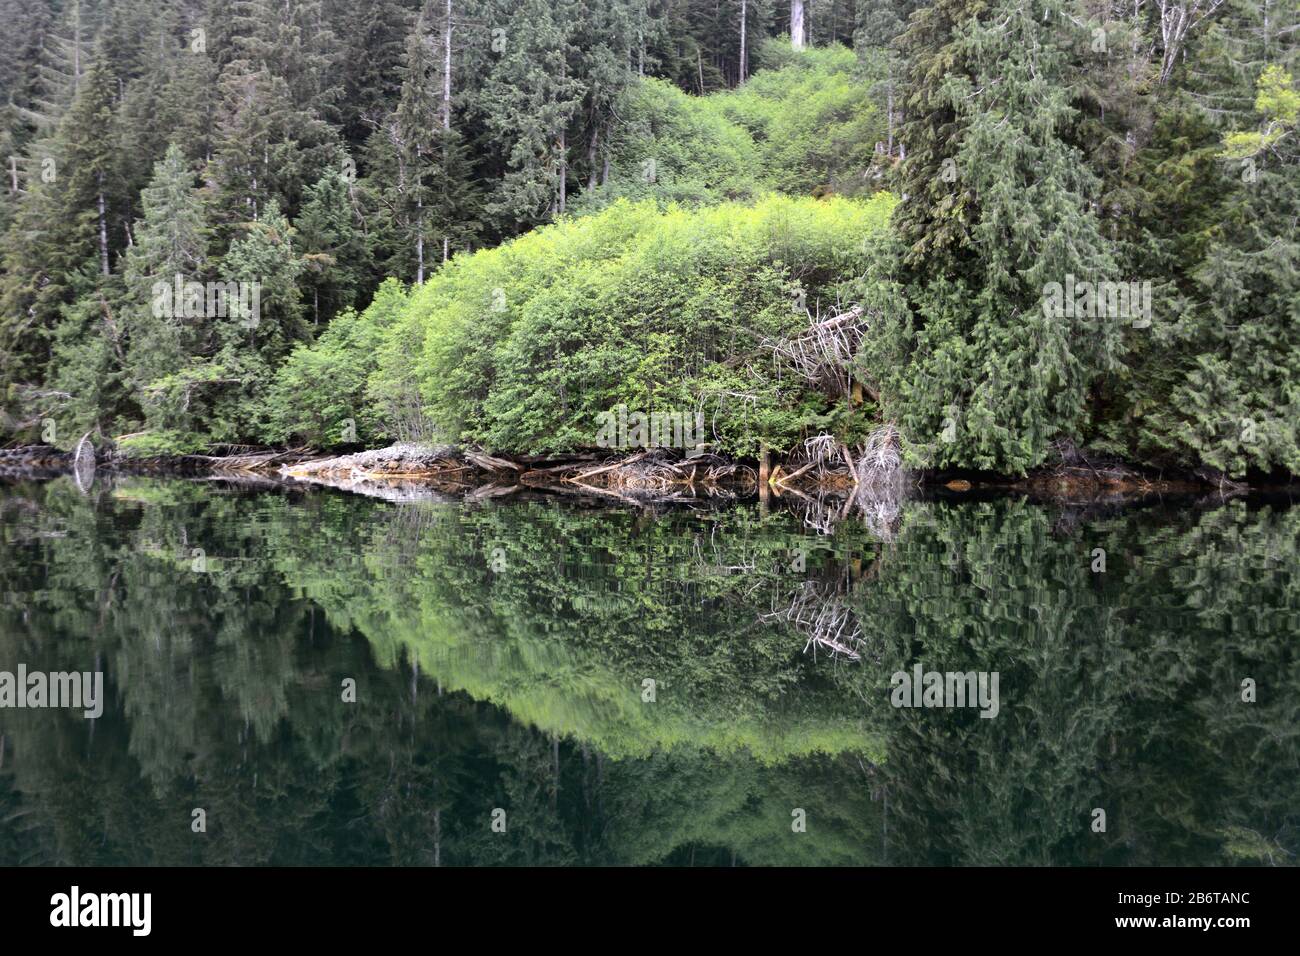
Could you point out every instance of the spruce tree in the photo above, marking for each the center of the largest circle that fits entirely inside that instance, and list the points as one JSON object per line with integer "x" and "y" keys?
{"x": 170, "y": 241}
{"x": 530, "y": 99}
{"x": 336, "y": 257}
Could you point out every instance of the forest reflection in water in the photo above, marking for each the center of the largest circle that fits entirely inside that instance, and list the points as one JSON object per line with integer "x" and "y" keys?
{"x": 641, "y": 687}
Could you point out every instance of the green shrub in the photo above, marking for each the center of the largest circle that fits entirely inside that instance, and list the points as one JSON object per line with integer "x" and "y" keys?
{"x": 521, "y": 347}
{"x": 806, "y": 125}
{"x": 321, "y": 387}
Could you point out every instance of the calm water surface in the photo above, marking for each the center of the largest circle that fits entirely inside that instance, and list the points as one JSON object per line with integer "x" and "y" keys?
{"x": 672, "y": 687}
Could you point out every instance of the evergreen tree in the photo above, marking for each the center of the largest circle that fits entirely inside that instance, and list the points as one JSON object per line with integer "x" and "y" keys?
{"x": 171, "y": 241}
{"x": 336, "y": 257}
{"x": 530, "y": 99}
{"x": 265, "y": 254}
{"x": 997, "y": 208}
{"x": 60, "y": 233}
{"x": 1237, "y": 402}
{"x": 374, "y": 37}
{"x": 411, "y": 132}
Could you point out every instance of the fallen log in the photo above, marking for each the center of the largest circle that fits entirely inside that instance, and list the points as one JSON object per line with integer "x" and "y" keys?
{"x": 491, "y": 463}
{"x": 784, "y": 479}
{"x": 600, "y": 471}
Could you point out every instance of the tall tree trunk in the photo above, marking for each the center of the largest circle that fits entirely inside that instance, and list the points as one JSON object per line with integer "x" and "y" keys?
{"x": 564, "y": 169}
{"x": 76, "y": 47}
{"x": 419, "y": 241}
{"x": 103, "y": 227}
{"x": 446, "y": 70}
{"x": 796, "y": 24}
{"x": 564, "y": 150}
{"x": 744, "y": 61}
{"x": 889, "y": 112}
{"x": 446, "y": 113}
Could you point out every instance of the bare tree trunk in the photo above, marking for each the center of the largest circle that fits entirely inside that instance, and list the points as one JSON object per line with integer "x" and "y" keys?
{"x": 419, "y": 241}
{"x": 564, "y": 169}
{"x": 744, "y": 63}
{"x": 564, "y": 151}
{"x": 796, "y": 24}
{"x": 446, "y": 114}
{"x": 76, "y": 47}
{"x": 103, "y": 227}
{"x": 1177, "y": 19}
{"x": 889, "y": 113}
{"x": 446, "y": 70}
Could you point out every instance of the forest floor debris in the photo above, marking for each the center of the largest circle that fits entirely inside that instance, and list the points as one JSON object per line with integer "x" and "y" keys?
{"x": 823, "y": 478}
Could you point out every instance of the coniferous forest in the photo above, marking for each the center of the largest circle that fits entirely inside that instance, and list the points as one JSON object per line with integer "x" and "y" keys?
{"x": 1057, "y": 225}
{"x": 646, "y": 433}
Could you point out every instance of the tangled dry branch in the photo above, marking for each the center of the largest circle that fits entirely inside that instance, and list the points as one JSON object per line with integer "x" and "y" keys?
{"x": 824, "y": 619}
{"x": 823, "y": 354}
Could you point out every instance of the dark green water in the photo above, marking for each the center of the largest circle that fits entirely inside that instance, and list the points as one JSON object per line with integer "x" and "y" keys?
{"x": 500, "y": 654}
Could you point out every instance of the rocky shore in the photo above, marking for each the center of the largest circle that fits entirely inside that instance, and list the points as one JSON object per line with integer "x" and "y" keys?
{"x": 408, "y": 472}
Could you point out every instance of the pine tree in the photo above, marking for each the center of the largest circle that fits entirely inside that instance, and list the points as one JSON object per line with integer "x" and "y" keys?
{"x": 171, "y": 241}
{"x": 603, "y": 36}
{"x": 374, "y": 37}
{"x": 336, "y": 258}
{"x": 61, "y": 230}
{"x": 28, "y": 22}
{"x": 411, "y": 132}
{"x": 1236, "y": 401}
{"x": 291, "y": 40}
{"x": 256, "y": 157}
{"x": 254, "y": 336}
{"x": 265, "y": 254}
{"x": 530, "y": 99}
{"x": 277, "y": 95}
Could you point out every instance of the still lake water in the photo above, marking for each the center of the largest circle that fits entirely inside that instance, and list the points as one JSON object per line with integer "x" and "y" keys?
{"x": 503, "y": 656}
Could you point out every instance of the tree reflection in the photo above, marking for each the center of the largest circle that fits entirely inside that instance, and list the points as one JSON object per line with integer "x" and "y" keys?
{"x": 501, "y": 655}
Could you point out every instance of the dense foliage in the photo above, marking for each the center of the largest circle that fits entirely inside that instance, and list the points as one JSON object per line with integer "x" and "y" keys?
{"x": 500, "y": 655}
{"x": 315, "y": 148}
{"x": 1057, "y": 140}
{"x": 524, "y": 346}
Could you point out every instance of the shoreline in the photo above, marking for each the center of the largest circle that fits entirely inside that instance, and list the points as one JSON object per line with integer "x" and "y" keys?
{"x": 412, "y": 472}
